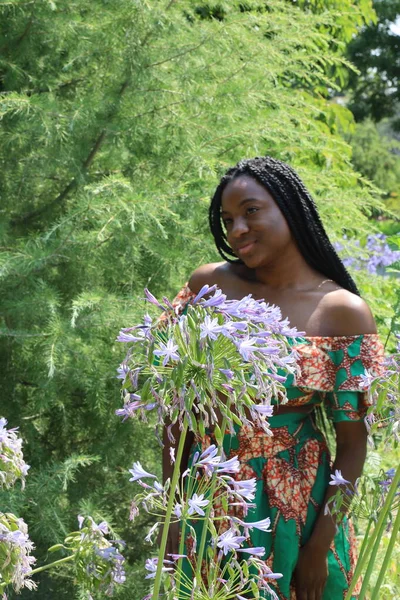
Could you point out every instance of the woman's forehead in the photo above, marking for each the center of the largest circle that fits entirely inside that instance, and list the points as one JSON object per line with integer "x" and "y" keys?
{"x": 242, "y": 188}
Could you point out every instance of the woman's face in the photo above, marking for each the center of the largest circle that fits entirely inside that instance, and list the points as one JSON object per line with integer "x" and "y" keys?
{"x": 256, "y": 230}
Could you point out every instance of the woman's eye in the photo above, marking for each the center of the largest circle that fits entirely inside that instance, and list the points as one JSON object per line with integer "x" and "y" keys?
{"x": 227, "y": 222}
{"x": 251, "y": 210}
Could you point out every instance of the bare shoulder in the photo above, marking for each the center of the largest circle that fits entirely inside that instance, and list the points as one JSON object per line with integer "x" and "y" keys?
{"x": 345, "y": 313}
{"x": 211, "y": 273}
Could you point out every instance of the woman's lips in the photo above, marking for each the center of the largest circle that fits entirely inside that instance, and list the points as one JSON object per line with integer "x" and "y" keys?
{"x": 246, "y": 248}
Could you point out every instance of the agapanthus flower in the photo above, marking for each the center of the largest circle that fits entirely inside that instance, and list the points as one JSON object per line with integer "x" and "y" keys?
{"x": 375, "y": 256}
{"x": 266, "y": 410}
{"x": 196, "y": 504}
{"x": 151, "y": 566}
{"x": 153, "y": 300}
{"x": 246, "y": 488}
{"x": 177, "y": 510}
{"x": 100, "y": 564}
{"x": 12, "y": 464}
{"x": 168, "y": 351}
{"x": 229, "y": 541}
{"x": 227, "y": 372}
{"x": 210, "y": 461}
{"x": 149, "y": 536}
{"x": 206, "y": 289}
{"x": 130, "y": 407}
{"x": 134, "y": 511}
{"x": 257, "y": 551}
{"x": 262, "y": 525}
{"x": 195, "y": 370}
{"x": 247, "y": 347}
{"x": 216, "y": 300}
{"x": 126, "y": 337}
{"x": 366, "y": 379}
{"x": 15, "y": 549}
{"x": 209, "y": 328}
{"x": 337, "y": 478}
{"x": 122, "y": 371}
{"x": 138, "y": 472}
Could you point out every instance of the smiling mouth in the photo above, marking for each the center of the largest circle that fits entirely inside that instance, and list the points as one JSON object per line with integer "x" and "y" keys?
{"x": 246, "y": 248}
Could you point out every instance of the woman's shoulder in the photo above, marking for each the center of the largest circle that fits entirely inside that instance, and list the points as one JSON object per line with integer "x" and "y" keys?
{"x": 209, "y": 274}
{"x": 344, "y": 314}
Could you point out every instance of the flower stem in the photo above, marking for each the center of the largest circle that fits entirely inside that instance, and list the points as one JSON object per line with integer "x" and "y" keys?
{"x": 171, "y": 500}
{"x": 388, "y": 554}
{"x": 182, "y": 546}
{"x": 365, "y": 540}
{"x": 371, "y": 550}
{"x": 51, "y": 565}
{"x": 208, "y": 512}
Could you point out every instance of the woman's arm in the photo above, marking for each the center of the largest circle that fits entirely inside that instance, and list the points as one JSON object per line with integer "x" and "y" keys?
{"x": 344, "y": 314}
{"x": 311, "y": 570}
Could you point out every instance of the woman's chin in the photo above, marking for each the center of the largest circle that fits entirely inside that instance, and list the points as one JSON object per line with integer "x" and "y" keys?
{"x": 251, "y": 262}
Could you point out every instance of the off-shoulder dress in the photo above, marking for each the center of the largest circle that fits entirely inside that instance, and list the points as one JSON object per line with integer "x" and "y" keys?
{"x": 293, "y": 468}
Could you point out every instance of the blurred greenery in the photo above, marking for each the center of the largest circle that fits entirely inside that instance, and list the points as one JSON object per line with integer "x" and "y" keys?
{"x": 118, "y": 117}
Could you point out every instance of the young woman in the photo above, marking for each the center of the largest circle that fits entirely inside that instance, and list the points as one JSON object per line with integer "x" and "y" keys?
{"x": 267, "y": 229}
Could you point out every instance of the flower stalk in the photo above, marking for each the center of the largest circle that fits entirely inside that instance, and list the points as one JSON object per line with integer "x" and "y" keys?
{"x": 168, "y": 514}
{"x": 372, "y": 547}
{"x": 56, "y": 563}
{"x": 208, "y": 511}
{"x": 388, "y": 554}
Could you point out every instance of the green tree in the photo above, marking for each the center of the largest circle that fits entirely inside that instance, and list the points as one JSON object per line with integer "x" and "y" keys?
{"x": 375, "y": 51}
{"x": 118, "y": 116}
{"x": 377, "y": 157}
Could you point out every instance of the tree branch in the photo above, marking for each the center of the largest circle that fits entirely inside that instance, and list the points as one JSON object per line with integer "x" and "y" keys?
{"x": 96, "y": 147}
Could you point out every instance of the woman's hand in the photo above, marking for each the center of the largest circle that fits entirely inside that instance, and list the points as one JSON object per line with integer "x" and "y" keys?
{"x": 311, "y": 573}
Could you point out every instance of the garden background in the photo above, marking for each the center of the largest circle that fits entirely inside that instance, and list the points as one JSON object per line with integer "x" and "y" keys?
{"x": 117, "y": 119}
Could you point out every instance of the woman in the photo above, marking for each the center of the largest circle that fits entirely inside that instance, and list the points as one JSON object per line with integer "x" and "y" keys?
{"x": 267, "y": 229}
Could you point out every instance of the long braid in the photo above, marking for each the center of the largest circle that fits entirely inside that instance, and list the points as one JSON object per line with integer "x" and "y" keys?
{"x": 297, "y": 207}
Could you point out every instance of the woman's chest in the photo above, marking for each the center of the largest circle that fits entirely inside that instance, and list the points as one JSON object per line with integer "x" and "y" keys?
{"x": 303, "y": 309}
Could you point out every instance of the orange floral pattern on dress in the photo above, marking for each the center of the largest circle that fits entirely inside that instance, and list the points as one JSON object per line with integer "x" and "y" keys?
{"x": 289, "y": 487}
{"x": 318, "y": 371}
{"x": 255, "y": 442}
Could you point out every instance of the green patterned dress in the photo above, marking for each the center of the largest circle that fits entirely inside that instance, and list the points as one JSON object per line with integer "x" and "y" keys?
{"x": 292, "y": 468}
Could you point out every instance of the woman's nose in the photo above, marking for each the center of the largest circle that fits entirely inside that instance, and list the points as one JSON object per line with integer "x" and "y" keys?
{"x": 239, "y": 227}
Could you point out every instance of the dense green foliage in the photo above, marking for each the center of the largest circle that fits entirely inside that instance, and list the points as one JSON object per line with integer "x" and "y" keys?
{"x": 376, "y": 54}
{"x": 377, "y": 157}
{"x": 117, "y": 118}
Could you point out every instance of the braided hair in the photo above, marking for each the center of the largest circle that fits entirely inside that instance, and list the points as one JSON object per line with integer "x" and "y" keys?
{"x": 299, "y": 210}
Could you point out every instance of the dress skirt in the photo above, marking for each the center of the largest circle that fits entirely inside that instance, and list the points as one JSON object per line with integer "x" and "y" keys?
{"x": 292, "y": 470}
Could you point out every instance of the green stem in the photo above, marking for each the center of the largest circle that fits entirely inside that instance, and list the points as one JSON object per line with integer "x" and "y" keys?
{"x": 386, "y": 509}
{"x": 373, "y": 544}
{"x": 181, "y": 547}
{"x": 179, "y": 565}
{"x": 365, "y": 540}
{"x": 53, "y": 564}
{"x": 388, "y": 554}
{"x": 171, "y": 500}
{"x": 208, "y": 511}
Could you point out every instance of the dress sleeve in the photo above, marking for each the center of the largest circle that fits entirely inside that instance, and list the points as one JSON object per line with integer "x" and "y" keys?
{"x": 180, "y": 302}
{"x": 352, "y": 357}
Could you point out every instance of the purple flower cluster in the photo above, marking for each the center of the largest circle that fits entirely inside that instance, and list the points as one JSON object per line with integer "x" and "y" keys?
{"x": 388, "y": 480}
{"x": 15, "y": 549}
{"x": 98, "y": 563}
{"x": 218, "y": 356}
{"x": 384, "y": 395}
{"x": 374, "y": 256}
{"x": 12, "y": 464}
{"x": 177, "y": 366}
{"x": 191, "y": 505}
